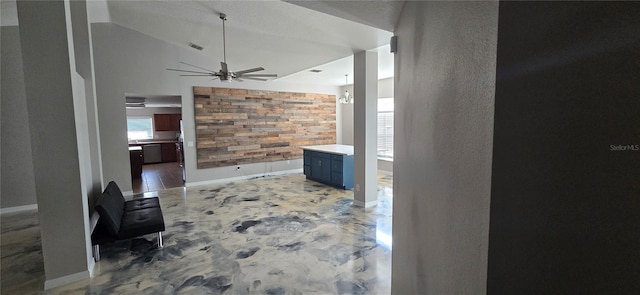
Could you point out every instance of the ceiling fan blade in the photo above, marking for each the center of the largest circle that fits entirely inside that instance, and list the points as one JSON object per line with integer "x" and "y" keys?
{"x": 249, "y": 71}
{"x": 190, "y": 71}
{"x": 238, "y": 79}
{"x": 223, "y": 66}
{"x": 184, "y": 63}
{"x": 259, "y": 75}
{"x": 201, "y": 75}
{"x": 251, "y": 78}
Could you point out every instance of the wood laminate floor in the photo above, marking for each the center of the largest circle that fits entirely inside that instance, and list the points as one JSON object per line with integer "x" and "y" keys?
{"x": 157, "y": 177}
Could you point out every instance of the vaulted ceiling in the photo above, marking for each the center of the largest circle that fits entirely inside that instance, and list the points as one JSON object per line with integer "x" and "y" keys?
{"x": 288, "y": 38}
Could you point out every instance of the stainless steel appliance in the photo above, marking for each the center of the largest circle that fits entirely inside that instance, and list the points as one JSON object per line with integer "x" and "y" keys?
{"x": 180, "y": 148}
{"x": 152, "y": 153}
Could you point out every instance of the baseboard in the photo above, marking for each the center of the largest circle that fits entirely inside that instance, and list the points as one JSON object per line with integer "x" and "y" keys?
{"x": 92, "y": 264}
{"x": 61, "y": 281}
{"x": 127, "y": 193}
{"x": 358, "y": 203}
{"x": 19, "y": 208}
{"x": 246, "y": 177}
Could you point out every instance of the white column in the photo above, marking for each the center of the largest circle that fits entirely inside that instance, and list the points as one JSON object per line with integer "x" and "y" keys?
{"x": 59, "y": 158}
{"x": 365, "y": 124}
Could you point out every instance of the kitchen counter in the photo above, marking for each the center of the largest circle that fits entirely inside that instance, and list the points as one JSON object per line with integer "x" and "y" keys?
{"x": 140, "y": 143}
{"x": 338, "y": 149}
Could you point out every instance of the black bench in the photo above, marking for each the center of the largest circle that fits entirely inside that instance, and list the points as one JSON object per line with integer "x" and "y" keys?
{"x": 123, "y": 220}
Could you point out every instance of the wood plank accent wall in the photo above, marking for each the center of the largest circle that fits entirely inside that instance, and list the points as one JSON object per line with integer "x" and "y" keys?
{"x": 240, "y": 126}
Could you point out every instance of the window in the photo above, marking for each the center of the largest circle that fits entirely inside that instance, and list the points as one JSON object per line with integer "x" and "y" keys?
{"x": 385, "y": 128}
{"x": 139, "y": 128}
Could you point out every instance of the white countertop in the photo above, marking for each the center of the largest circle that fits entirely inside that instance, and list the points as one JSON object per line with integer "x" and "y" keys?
{"x": 339, "y": 149}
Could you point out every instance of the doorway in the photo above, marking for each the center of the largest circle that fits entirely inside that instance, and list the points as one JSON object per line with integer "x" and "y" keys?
{"x": 154, "y": 132}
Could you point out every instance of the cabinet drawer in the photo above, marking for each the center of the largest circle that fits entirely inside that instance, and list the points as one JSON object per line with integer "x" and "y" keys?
{"x": 336, "y": 165}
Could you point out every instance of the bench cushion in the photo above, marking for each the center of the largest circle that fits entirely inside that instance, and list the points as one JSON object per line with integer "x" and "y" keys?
{"x": 137, "y": 204}
{"x": 113, "y": 190}
{"x": 110, "y": 210}
{"x": 141, "y": 222}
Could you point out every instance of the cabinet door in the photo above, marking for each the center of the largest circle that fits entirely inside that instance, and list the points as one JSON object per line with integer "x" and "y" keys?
{"x": 321, "y": 168}
{"x": 336, "y": 179}
{"x": 161, "y": 122}
{"x": 174, "y": 122}
{"x": 307, "y": 170}
{"x": 169, "y": 152}
{"x": 135, "y": 157}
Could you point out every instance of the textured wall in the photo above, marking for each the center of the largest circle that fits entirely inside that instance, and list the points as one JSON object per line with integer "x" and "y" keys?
{"x": 18, "y": 184}
{"x": 565, "y": 206}
{"x": 444, "y": 98}
{"x": 239, "y": 126}
{"x": 126, "y": 62}
{"x": 52, "y": 105}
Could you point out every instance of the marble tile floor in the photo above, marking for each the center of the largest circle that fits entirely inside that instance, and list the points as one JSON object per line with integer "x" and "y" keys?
{"x": 273, "y": 235}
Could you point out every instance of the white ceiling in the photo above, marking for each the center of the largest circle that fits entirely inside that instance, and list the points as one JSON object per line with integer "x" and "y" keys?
{"x": 284, "y": 38}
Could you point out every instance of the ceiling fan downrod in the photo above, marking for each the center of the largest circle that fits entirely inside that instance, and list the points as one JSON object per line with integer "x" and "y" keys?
{"x": 223, "y": 17}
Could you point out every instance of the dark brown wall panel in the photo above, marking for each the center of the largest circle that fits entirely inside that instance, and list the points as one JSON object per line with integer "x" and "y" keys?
{"x": 565, "y": 191}
{"x": 240, "y": 126}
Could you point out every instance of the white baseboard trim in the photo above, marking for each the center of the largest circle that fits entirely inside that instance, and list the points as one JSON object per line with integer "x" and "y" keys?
{"x": 92, "y": 264}
{"x": 18, "y": 208}
{"x": 61, "y": 281}
{"x": 358, "y": 203}
{"x": 127, "y": 193}
{"x": 247, "y": 177}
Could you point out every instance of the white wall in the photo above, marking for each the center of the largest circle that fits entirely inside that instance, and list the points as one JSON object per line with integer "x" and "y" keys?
{"x": 56, "y": 105}
{"x": 18, "y": 183}
{"x": 130, "y": 62}
{"x": 126, "y": 62}
{"x": 444, "y": 106}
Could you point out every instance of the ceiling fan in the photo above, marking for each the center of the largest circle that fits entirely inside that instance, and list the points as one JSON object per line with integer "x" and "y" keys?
{"x": 224, "y": 74}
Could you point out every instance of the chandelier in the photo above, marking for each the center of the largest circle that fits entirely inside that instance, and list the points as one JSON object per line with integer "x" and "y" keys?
{"x": 346, "y": 97}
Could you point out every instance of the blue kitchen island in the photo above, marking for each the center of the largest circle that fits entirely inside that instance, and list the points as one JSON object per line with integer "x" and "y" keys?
{"x": 330, "y": 164}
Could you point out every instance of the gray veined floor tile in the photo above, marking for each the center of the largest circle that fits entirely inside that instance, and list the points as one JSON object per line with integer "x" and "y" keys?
{"x": 273, "y": 235}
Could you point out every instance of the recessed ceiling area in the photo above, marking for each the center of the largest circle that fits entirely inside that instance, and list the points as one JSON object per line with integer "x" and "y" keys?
{"x": 284, "y": 38}
{"x": 334, "y": 71}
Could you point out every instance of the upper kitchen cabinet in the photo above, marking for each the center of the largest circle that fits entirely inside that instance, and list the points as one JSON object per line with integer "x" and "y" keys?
{"x": 174, "y": 122}
{"x": 166, "y": 122}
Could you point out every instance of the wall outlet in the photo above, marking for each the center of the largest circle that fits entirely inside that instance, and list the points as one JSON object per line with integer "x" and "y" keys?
{"x": 357, "y": 187}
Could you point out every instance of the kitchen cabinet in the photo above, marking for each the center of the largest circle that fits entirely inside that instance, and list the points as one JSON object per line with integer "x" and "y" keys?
{"x": 166, "y": 122}
{"x": 174, "y": 122}
{"x": 136, "y": 159}
{"x": 329, "y": 165}
{"x": 169, "y": 152}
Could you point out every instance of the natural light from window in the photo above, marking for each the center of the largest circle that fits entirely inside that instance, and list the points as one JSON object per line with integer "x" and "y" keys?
{"x": 385, "y": 129}
{"x": 139, "y": 128}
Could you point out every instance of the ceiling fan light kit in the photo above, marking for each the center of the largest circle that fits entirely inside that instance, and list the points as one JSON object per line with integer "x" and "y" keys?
{"x": 224, "y": 74}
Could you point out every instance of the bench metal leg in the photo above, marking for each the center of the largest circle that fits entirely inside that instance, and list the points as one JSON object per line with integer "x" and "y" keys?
{"x": 96, "y": 253}
{"x": 160, "y": 242}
